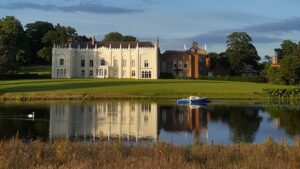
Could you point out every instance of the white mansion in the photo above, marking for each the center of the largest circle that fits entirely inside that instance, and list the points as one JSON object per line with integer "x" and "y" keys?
{"x": 137, "y": 60}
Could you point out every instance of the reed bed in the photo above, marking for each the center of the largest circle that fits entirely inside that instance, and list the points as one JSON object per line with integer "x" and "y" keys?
{"x": 16, "y": 153}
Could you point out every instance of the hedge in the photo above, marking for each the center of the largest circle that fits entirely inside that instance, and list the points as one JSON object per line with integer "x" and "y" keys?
{"x": 24, "y": 76}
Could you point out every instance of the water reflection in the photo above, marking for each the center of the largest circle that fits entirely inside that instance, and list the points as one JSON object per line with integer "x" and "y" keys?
{"x": 123, "y": 120}
{"x": 151, "y": 121}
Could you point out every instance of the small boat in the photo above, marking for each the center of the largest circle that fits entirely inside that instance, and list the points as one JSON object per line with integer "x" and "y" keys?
{"x": 192, "y": 100}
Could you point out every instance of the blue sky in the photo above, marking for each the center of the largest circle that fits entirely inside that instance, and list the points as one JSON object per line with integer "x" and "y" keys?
{"x": 175, "y": 22}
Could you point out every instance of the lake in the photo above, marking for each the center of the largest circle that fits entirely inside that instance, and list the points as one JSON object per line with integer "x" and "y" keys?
{"x": 144, "y": 122}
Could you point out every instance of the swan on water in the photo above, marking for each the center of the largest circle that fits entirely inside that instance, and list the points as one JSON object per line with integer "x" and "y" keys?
{"x": 31, "y": 115}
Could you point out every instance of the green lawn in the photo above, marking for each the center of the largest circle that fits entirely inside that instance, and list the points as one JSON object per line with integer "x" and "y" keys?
{"x": 126, "y": 88}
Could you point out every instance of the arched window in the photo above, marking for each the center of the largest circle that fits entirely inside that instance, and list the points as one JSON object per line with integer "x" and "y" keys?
{"x": 133, "y": 73}
{"x": 91, "y": 72}
{"x": 102, "y": 62}
{"x": 82, "y": 63}
{"x": 61, "y": 62}
{"x": 65, "y": 72}
{"x": 143, "y": 74}
{"x": 83, "y": 73}
{"x": 91, "y": 63}
{"x": 146, "y": 74}
{"x": 149, "y": 75}
{"x": 57, "y": 73}
{"x": 146, "y": 64}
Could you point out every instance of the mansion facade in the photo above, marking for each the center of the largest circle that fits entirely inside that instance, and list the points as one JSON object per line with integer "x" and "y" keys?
{"x": 129, "y": 59}
{"x": 137, "y": 60}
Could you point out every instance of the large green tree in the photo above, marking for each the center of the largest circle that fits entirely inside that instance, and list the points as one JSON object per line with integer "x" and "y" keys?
{"x": 34, "y": 33}
{"x": 61, "y": 35}
{"x": 116, "y": 36}
{"x": 289, "y": 61}
{"x": 12, "y": 40}
{"x": 240, "y": 52}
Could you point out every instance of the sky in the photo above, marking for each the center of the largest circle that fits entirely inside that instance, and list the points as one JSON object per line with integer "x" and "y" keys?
{"x": 175, "y": 22}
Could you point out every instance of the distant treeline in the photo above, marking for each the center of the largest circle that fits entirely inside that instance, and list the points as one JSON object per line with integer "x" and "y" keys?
{"x": 33, "y": 43}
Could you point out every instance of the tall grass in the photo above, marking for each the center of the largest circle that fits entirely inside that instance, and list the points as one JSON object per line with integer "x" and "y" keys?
{"x": 64, "y": 154}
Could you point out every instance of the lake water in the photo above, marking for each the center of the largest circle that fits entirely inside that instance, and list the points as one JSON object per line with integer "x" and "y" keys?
{"x": 148, "y": 122}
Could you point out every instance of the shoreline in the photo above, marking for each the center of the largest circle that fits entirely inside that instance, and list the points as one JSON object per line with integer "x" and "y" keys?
{"x": 96, "y": 97}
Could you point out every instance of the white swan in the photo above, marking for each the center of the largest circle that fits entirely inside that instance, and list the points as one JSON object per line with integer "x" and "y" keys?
{"x": 31, "y": 116}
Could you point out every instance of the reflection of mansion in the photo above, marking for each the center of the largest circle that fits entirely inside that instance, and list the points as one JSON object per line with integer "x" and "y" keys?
{"x": 133, "y": 59}
{"x": 104, "y": 120}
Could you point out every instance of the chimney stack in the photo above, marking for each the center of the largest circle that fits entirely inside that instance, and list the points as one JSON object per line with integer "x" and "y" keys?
{"x": 93, "y": 40}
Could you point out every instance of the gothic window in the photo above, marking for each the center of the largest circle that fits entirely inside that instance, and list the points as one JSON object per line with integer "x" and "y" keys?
{"x": 101, "y": 72}
{"x": 61, "y": 62}
{"x": 146, "y": 64}
{"x": 133, "y": 73}
{"x": 57, "y": 73}
{"x": 82, "y": 63}
{"x": 149, "y": 75}
{"x": 91, "y": 72}
{"x": 102, "y": 62}
{"x": 91, "y": 63}
{"x": 143, "y": 74}
{"x": 83, "y": 73}
{"x": 65, "y": 72}
{"x": 146, "y": 74}
{"x": 132, "y": 63}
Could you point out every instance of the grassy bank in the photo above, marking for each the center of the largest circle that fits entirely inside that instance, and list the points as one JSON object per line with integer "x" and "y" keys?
{"x": 51, "y": 89}
{"x": 64, "y": 154}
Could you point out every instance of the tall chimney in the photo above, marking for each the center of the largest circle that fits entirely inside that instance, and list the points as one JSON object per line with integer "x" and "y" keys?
{"x": 93, "y": 40}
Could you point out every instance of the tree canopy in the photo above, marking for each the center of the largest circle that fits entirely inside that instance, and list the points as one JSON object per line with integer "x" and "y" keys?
{"x": 116, "y": 36}
{"x": 12, "y": 38}
{"x": 289, "y": 61}
{"x": 240, "y": 52}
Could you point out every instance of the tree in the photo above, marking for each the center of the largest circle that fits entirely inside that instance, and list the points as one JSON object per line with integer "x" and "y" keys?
{"x": 116, "y": 36}
{"x": 268, "y": 58}
{"x": 113, "y": 36}
{"x": 213, "y": 59}
{"x": 12, "y": 39}
{"x": 288, "y": 47}
{"x": 34, "y": 33}
{"x": 241, "y": 51}
{"x": 60, "y": 36}
{"x": 290, "y": 67}
{"x": 289, "y": 70}
{"x": 129, "y": 38}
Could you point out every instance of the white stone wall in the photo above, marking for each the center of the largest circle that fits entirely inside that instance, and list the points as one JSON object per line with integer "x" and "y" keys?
{"x": 119, "y": 62}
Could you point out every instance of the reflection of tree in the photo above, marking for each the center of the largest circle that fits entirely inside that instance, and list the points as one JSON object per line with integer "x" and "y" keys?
{"x": 289, "y": 118}
{"x": 243, "y": 121}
